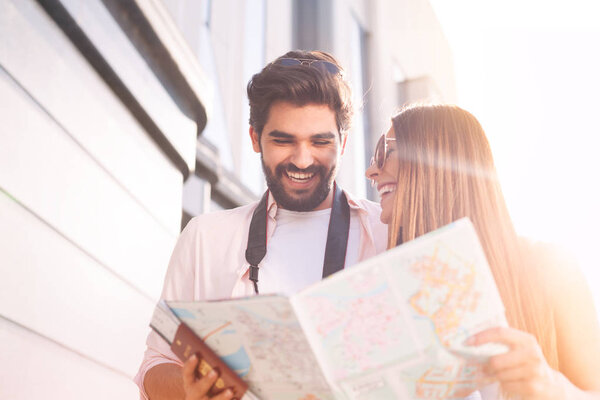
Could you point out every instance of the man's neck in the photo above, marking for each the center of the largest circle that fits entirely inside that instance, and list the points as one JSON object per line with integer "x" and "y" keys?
{"x": 327, "y": 203}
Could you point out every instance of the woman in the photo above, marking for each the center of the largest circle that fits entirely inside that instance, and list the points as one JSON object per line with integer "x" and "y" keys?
{"x": 435, "y": 166}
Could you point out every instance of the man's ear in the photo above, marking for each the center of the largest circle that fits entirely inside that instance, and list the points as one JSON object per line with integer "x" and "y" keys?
{"x": 344, "y": 138}
{"x": 255, "y": 139}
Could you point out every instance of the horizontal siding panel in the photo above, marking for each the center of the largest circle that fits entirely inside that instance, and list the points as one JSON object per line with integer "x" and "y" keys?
{"x": 42, "y": 60}
{"x": 43, "y": 168}
{"x": 110, "y": 40}
{"x": 33, "y": 367}
{"x": 53, "y": 288}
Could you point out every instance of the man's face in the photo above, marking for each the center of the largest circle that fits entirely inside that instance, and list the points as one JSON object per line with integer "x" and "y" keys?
{"x": 300, "y": 148}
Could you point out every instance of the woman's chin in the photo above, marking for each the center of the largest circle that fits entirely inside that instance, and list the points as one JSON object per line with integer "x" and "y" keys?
{"x": 387, "y": 203}
{"x": 386, "y": 216}
{"x": 385, "y": 220}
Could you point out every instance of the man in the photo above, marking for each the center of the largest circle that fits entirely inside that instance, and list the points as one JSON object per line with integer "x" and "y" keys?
{"x": 305, "y": 227}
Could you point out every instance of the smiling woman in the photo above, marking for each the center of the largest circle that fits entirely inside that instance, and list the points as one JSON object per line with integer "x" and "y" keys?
{"x": 442, "y": 168}
{"x": 386, "y": 170}
{"x": 526, "y": 70}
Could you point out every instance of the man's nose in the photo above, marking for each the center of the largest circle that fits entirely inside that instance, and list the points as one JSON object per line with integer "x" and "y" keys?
{"x": 302, "y": 156}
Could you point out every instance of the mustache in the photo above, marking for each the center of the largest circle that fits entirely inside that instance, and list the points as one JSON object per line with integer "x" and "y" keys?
{"x": 282, "y": 168}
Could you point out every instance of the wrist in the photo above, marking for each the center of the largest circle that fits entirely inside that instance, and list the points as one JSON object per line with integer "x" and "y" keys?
{"x": 563, "y": 389}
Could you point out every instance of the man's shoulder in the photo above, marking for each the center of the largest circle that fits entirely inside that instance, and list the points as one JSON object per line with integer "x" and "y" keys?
{"x": 372, "y": 208}
{"x": 223, "y": 220}
{"x": 370, "y": 213}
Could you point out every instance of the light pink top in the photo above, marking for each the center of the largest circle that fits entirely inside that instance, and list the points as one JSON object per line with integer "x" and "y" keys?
{"x": 209, "y": 262}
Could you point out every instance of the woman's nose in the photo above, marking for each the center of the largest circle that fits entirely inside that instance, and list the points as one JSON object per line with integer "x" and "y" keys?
{"x": 372, "y": 171}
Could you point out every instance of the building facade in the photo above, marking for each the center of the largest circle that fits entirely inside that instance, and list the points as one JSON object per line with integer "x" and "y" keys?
{"x": 122, "y": 119}
{"x": 393, "y": 52}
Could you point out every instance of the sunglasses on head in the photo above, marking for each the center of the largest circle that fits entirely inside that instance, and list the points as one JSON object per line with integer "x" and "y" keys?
{"x": 381, "y": 151}
{"x": 319, "y": 64}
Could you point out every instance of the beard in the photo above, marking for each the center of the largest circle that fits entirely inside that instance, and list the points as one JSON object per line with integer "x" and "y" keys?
{"x": 300, "y": 200}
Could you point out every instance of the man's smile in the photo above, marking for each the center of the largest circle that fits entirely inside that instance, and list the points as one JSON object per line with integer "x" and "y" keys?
{"x": 299, "y": 176}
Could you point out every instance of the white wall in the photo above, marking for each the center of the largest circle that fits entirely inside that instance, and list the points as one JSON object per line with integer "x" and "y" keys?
{"x": 89, "y": 212}
{"x": 90, "y": 206}
{"x": 406, "y": 37}
{"x": 401, "y": 35}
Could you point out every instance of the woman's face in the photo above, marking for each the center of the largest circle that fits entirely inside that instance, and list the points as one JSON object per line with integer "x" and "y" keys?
{"x": 385, "y": 176}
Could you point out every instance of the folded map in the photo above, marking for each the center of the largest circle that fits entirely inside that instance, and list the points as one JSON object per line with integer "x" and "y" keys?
{"x": 391, "y": 327}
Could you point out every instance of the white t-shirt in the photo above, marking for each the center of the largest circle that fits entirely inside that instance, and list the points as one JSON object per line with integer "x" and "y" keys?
{"x": 295, "y": 252}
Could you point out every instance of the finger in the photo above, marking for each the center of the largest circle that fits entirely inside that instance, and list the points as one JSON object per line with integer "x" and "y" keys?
{"x": 189, "y": 370}
{"x": 514, "y": 375}
{"x": 512, "y": 359}
{"x": 522, "y": 387}
{"x": 202, "y": 386}
{"x": 224, "y": 395}
{"x": 509, "y": 336}
{"x": 484, "y": 380}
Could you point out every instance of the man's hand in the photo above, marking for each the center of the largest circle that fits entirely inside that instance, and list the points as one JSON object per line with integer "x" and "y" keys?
{"x": 198, "y": 388}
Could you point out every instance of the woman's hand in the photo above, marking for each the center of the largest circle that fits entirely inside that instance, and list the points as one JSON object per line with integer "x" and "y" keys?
{"x": 523, "y": 370}
{"x": 198, "y": 388}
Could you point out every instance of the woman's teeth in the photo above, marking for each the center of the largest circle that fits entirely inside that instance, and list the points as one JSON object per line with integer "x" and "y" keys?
{"x": 386, "y": 189}
{"x": 299, "y": 176}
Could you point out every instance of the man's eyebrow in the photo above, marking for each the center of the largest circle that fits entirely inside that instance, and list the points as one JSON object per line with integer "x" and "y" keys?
{"x": 279, "y": 134}
{"x": 285, "y": 135}
{"x": 325, "y": 135}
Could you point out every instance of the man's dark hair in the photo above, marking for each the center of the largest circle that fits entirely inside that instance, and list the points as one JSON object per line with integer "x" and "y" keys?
{"x": 300, "y": 85}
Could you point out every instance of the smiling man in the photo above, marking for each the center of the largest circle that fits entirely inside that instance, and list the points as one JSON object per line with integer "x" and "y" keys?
{"x": 304, "y": 227}
{"x": 300, "y": 154}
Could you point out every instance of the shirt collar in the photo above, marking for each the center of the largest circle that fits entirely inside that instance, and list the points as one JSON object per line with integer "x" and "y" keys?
{"x": 353, "y": 203}
{"x": 271, "y": 206}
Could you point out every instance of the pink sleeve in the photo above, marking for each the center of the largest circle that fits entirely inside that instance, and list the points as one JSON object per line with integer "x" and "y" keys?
{"x": 157, "y": 352}
{"x": 178, "y": 285}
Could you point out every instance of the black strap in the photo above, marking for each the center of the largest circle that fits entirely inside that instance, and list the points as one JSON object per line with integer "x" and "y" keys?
{"x": 257, "y": 239}
{"x": 337, "y": 236}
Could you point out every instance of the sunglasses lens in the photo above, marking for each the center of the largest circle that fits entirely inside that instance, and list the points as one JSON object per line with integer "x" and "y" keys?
{"x": 380, "y": 152}
{"x": 289, "y": 61}
{"x": 327, "y": 66}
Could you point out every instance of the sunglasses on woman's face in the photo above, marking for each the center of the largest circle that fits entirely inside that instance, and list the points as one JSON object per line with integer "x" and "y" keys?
{"x": 381, "y": 151}
{"x": 319, "y": 64}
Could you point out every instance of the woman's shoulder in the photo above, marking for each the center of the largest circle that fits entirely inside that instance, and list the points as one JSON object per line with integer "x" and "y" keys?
{"x": 573, "y": 310}
{"x": 555, "y": 265}
{"x": 566, "y": 287}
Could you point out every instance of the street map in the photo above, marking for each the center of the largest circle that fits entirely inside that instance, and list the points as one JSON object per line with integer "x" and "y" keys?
{"x": 391, "y": 327}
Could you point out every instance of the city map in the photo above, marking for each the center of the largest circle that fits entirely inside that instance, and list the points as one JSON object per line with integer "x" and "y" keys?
{"x": 261, "y": 339}
{"x": 391, "y": 327}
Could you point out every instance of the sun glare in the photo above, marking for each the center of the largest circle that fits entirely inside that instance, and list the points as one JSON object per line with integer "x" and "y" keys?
{"x": 528, "y": 72}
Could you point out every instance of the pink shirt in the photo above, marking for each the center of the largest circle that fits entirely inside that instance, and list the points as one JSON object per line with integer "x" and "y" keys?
{"x": 209, "y": 262}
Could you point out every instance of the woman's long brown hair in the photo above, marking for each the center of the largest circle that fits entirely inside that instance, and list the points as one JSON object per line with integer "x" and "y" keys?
{"x": 447, "y": 172}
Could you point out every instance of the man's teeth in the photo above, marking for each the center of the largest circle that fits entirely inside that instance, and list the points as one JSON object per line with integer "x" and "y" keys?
{"x": 299, "y": 176}
{"x": 386, "y": 189}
